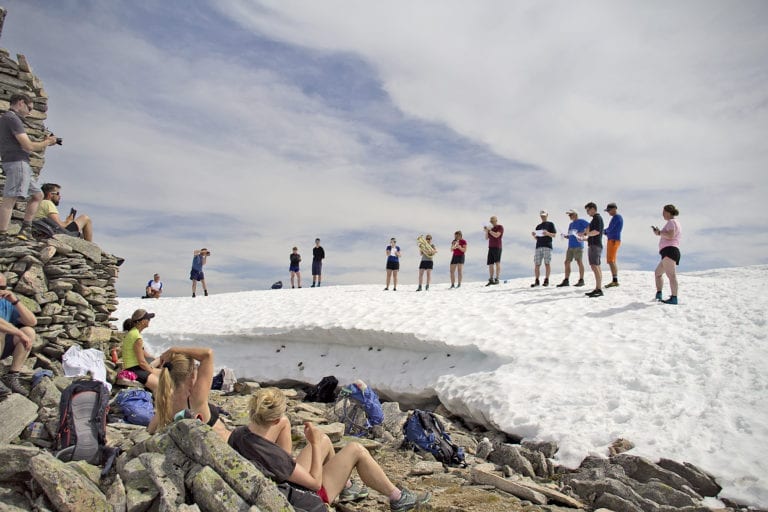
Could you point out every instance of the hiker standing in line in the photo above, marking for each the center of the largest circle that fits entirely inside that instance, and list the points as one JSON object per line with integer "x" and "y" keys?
{"x": 613, "y": 233}
{"x": 293, "y": 268}
{"x": 393, "y": 263}
{"x": 199, "y": 259}
{"x": 318, "y": 255}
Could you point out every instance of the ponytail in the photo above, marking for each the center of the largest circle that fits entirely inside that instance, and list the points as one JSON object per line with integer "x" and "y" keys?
{"x": 173, "y": 374}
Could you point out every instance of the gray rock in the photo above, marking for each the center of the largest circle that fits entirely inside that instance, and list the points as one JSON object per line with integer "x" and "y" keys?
{"x": 548, "y": 448}
{"x": 610, "y": 502}
{"x": 84, "y": 247}
{"x": 67, "y": 489}
{"x": 643, "y": 470}
{"x": 510, "y": 455}
{"x": 484, "y": 448}
{"x": 167, "y": 477}
{"x": 700, "y": 481}
{"x": 663, "y": 494}
{"x": 211, "y": 492}
{"x": 140, "y": 489}
{"x": 17, "y": 412}
{"x": 14, "y": 462}
{"x": 45, "y": 394}
{"x": 115, "y": 493}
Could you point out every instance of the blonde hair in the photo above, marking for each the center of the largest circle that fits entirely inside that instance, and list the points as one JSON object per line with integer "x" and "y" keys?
{"x": 266, "y": 406}
{"x": 174, "y": 373}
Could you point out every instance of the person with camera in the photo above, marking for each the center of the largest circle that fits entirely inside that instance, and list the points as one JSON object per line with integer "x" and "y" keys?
{"x": 493, "y": 234}
{"x": 458, "y": 250}
{"x": 78, "y": 225}
{"x": 15, "y": 147}
{"x": 199, "y": 258}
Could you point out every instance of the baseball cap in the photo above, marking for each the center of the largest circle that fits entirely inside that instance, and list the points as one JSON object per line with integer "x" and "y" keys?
{"x": 141, "y": 314}
{"x": 543, "y": 212}
{"x": 610, "y": 205}
{"x": 571, "y": 211}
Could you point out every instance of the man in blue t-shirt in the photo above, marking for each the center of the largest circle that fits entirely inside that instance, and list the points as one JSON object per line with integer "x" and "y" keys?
{"x": 613, "y": 233}
{"x": 575, "y": 251}
{"x": 17, "y": 334}
{"x": 199, "y": 259}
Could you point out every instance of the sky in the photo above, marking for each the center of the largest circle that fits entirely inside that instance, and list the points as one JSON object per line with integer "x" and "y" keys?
{"x": 249, "y": 127}
{"x": 684, "y": 382}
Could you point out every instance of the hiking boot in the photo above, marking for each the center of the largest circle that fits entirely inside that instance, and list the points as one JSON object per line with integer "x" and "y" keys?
{"x": 452, "y": 286}
{"x": 11, "y": 379}
{"x": 580, "y": 283}
{"x": 355, "y": 492}
{"x": 495, "y": 280}
{"x": 612, "y": 284}
{"x": 535, "y": 284}
{"x": 595, "y": 293}
{"x": 409, "y": 500}
{"x": 313, "y": 285}
{"x": 564, "y": 283}
{"x": 658, "y": 296}
{"x": 418, "y": 289}
{"x": 546, "y": 281}
{"x": 671, "y": 300}
{"x": 193, "y": 295}
{"x": 4, "y": 391}
{"x": 490, "y": 282}
{"x": 206, "y": 292}
{"x": 426, "y": 288}
{"x": 458, "y": 285}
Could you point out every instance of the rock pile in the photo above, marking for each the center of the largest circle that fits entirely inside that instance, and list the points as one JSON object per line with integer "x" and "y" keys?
{"x": 189, "y": 467}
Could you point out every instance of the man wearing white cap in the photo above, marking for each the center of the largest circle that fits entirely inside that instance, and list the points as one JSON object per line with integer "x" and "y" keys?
{"x": 543, "y": 234}
{"x": 575, "y": 247}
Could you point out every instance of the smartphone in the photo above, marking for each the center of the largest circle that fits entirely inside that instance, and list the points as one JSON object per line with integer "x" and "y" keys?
{"x": 72, "y": 212}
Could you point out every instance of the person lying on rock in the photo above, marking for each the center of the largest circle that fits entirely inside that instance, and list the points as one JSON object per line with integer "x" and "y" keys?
{"x": 266, "y": 441}
{"x": 135, "y": 356}
{"x": 185, "y": 380}
{"x": 77, "y": 224}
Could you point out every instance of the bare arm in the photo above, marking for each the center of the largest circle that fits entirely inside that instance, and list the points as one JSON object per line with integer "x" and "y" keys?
{"x": 199, "y": 395}
{"x": 311, "y": 478}
{"x": 26, "y": 317}
{"x": 29, "y": 146}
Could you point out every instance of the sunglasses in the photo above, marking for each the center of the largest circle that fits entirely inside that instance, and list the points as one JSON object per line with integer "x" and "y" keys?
{"x": 3, "y": 286}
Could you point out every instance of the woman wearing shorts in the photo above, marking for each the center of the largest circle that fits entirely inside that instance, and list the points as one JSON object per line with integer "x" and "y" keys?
{"x": 393, "y": 263}
{"x": 669, "y": 249}
{"x": 134, "y": 354}
{"x": 425, "y": 267}
{"x": 459, "y": 247}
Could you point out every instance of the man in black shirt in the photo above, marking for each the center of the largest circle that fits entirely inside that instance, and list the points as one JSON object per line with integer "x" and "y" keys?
{"x": 595, "y": 243}
{"x": 544, "y": 234}
{"x": 318, "y": 254}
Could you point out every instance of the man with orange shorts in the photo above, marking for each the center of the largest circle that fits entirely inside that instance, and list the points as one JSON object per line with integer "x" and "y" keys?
{"x": 613, "y": 232}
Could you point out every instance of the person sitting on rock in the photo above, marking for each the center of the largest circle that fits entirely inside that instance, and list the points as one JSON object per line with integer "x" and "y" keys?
{"x": 154, "y": 288}
{"x": 135, "y": 356}
{"x": 266, "y": 441}
{"x": 16, "y": 336}
{"x": 77, "y": 224}
{"x": 183, "y": 386}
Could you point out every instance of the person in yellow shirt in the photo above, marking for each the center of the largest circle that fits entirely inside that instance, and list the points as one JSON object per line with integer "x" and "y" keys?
{"x": 77, "y": 224}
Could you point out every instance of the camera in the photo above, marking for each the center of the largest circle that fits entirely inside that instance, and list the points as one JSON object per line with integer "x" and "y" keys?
{"x": 49, "y": 133}
{"x": 59, "y": 141}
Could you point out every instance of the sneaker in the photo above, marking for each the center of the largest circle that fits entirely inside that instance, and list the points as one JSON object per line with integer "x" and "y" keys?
{"x": 12, "y": 381}
{"x": 658, "y": 296}
{"x": 546, "y": 282}
{"x": 394, "y": 288}
{"x": 458, "y": 285}
{"x": 452, "y": 286}
{"x": 426, "y": 288}
{"x": 564, "y": 283}
{"x": 418, "y": 289}
{"x": 387, "y": 288}
{"x": 313, "y": 285}
{"x": 206, "y": 292}
{"x": 580, "y": 283}
{"x": 490, "y": 282}
{"x": 355, "y": 492}
{"x": 409, "y": 500}
{"x": 671, "y": 300}
{"x": 595, "y": 293}
{"x": 495, "y": 280}
{"x": 612, "y": 284}
{"x": 535, "y": 284}
{"x": 193, "y": 295}
{"x": 318, "y": 285}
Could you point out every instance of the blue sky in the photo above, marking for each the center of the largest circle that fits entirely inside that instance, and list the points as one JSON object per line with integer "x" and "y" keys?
{"x": 249, "y": 127}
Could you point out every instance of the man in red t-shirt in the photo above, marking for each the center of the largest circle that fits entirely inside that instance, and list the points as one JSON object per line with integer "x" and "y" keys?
{"x": 493, "y": 234}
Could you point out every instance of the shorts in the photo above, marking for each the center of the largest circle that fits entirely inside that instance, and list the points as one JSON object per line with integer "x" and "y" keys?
{"x": 393, "y": 265}
{"x": 427, "y": 264}
{"x": 542, "y": 254}
{"x": 672, "y": 253}
{"x": 9, "y": 346}
{"x": 73, "y": 227}
{"x": 18, "y": 180}
{"x": 317, "y": 267}
{"x": 574, "y": 253}
{"x": 458, "y": 259}
{"x": 196, "y": 275}
{"x": 595, "y": 251}
{"x": 612, "y": 250}
{"x": 141, "y": 374}
{"x": 494, "y": 255}
{"x": 293, "y": 268}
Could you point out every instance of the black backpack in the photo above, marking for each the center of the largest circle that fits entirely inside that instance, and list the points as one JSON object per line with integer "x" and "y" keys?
{"x": 82, "y": 433}
{"x": 424, "y": 431}
{"x": 46, "y": 228}
{"x": 277, "y": 285}
{"x": 324, "y": 392}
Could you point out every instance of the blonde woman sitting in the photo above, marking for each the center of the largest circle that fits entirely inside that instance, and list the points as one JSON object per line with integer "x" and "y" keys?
{"x": 266, "y": 441}
{"x": 184, "y": 384}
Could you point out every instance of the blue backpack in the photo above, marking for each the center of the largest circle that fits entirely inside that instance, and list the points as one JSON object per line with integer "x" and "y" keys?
{"x": 360, "y": 409}
{"x": 424, "y": 431}
{"x": 136, "y": 406}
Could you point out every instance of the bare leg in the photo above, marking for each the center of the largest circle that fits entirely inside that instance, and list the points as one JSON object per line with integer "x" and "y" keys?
{"x": 429, "y": 276}
{"x": 389, "y": 277}
{"x": 453, "y": 274}
{"x": 298, "y": 278}
{"x": 20, "y": 352}
{"x": 598, "y": 276}
{"x": 86, "y": 227}
{"x": 669, "y": 269}
{"x": 580, "y": 263}
{"x": 658, "y": 274}
{"x": 421, "y": 276}
{"x": 567, "y": 269}
{"x": 537, "y": 271}
{"x": 460, "y": 269}
{"x": 32, "y": 204}
{"x": 498, "y": 269}
{"x": 394, "y": 278}
{"x": 547, "y": 269}
{"x": 6, "y": 210}
{"x": 280, "y": 434}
